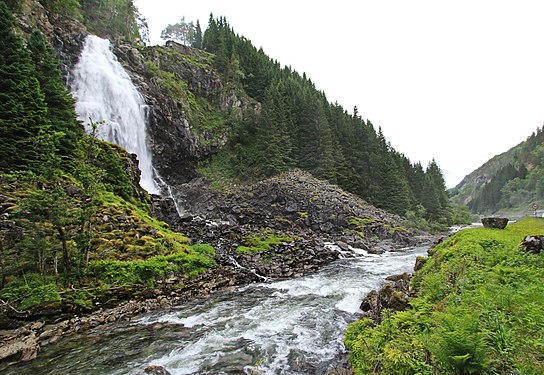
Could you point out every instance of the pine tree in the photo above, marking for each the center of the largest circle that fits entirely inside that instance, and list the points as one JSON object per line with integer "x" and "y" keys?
{"x": 60, "y": 103}
{"x": 197, "y": 43}
{"x": 436, "y": 200}
{"x": 274, "y": 143}
{"x": 314, "y": 138}
{"x": 23, "y": 111}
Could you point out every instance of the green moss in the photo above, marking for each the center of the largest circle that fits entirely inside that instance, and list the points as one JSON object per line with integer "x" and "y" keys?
{"x": 282, "y": 219}
{"x": 187, "y": 263}
{"x": 205, "y": 120}
{"x": 360, "y": 222}
{"x": 30, "y": 291}
{"x": 263, "y": 241}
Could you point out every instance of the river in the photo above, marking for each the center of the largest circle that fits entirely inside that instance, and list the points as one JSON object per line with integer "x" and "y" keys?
{"x": 280, "y": 327}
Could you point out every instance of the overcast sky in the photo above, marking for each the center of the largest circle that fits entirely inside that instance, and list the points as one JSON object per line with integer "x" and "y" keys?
{"x": 459, "y": 81}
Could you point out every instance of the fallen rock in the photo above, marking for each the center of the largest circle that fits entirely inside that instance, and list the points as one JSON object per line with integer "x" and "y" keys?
{"x": 156, "y": 370}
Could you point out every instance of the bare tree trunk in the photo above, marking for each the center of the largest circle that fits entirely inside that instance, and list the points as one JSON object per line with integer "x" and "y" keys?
{"x": 65, "y": 255}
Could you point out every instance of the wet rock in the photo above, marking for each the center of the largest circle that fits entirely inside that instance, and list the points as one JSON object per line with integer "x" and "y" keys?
{"x": 533, "y": 244}
{"x": 495, "y": 222}
{"x": 22, "y": 345}
{"x": 420, "y": 262}
{"x": 342, "y": 245}
{"x": 394, "y": 296}
{"x": 156, "y": 370}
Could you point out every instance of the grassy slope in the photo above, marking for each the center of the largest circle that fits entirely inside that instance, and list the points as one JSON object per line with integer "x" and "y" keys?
{"x": 478, "y": 310}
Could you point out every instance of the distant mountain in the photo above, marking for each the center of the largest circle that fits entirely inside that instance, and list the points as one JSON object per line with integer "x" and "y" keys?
{"x": 511, "y": 182}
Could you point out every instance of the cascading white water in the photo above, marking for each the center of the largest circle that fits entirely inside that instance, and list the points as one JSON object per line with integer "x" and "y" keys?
{"x": 104, "y": 93}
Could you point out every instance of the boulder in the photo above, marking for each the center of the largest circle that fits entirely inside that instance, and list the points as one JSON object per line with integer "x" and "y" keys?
{"x": 394, "y": 295}
{"x": 533, "y": 244}
{"x": 495, "y": 222}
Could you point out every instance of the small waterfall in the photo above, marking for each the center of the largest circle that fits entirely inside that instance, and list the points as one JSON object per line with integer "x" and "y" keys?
{"x": 104, "y": 93}
{"x": 238, "y": 265}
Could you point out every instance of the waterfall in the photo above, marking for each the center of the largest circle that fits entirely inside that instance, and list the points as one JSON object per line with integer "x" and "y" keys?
{"x": 105, "y": 95}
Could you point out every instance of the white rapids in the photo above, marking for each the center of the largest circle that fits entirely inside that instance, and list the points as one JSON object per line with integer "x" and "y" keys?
{"x": 284, "y": 327}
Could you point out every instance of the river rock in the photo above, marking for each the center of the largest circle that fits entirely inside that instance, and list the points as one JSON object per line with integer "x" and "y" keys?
{"x": 22, "y": 346}
{"x": 394, "y": 295}
{"x": 156, "y": 370}
{"x": 495, "y": 222}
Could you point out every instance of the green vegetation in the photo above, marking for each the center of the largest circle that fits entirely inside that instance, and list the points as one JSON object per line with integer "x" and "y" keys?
{"x": 190, "y": 262}
{"x": 74, "y": 222}
{"x": 184, "y": 32}
{"x": 477, "y": 311}
{"x": 205, "y": 119}
{"x": 263, "y": 241}
{"x": 296, "y": 127}
{"x": 113, "y": 18}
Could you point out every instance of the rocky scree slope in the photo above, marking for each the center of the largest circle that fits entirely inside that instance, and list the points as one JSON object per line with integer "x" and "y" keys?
{"x": 285, "y": 226}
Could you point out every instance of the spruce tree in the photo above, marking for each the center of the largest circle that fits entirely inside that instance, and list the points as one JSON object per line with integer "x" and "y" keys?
{"x": 23, "y": 111}
{"x": 60, "y": 104}
{"x": 274, "y": 142}
{"x": 197, "y": 43}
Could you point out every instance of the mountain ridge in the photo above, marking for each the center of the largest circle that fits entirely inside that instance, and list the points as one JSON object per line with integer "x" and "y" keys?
{"x": 508, "y": 182}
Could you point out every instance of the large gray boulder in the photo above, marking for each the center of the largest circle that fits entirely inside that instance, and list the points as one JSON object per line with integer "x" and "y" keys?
{"x": 495, "y": 222}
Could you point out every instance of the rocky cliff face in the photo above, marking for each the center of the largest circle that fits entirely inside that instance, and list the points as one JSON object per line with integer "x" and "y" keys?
{"x": 188, "y": 104}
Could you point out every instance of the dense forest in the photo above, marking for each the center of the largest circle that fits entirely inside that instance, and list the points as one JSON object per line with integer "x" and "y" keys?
{"x": 297, "y": 127}
{"x": 510, "y": 182}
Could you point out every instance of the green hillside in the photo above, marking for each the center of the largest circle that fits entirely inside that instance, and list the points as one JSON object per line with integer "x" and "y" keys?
{"x": 477, "y": 311}
{"x": 508, "y": 183}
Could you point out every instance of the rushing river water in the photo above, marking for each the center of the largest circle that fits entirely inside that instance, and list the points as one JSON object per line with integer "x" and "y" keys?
{"x": 285, "y": 327}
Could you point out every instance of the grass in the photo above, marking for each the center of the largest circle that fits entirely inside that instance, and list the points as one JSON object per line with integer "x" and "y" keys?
{"x": 478, "y": 311}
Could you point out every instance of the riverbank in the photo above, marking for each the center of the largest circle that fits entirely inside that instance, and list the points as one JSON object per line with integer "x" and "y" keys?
{"x": 285, "y": 227}
{"x": 291, "y": 326}
{"x": 478, "y": 310}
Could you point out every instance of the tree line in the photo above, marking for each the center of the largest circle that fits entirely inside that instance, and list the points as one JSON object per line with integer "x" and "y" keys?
{"x": 297, "y": 127}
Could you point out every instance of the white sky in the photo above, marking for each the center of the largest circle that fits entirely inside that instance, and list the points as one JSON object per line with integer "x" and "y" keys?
{"x": 460, "y": 81}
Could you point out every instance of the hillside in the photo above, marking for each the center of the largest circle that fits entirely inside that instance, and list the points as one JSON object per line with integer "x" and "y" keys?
{"x": 80, "y": 236}
{"x": 508, "y": 183}
{"x": 474, "y": 308}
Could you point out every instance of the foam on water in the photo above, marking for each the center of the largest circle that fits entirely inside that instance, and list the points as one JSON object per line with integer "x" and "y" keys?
{"x": 285, "y": 327}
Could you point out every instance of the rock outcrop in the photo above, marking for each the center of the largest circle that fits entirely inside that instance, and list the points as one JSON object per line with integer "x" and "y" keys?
{"x": 298, "y": 202}
{"x": 394, "y": 295}
{"x": 186, "y": 99}
{"x": 318, "y": 222}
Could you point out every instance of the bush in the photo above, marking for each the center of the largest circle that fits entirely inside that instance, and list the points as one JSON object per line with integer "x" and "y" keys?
{"x": 30, "y": 291}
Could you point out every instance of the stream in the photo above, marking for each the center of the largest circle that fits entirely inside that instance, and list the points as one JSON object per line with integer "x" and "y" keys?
{"x": 282, "y": 327}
